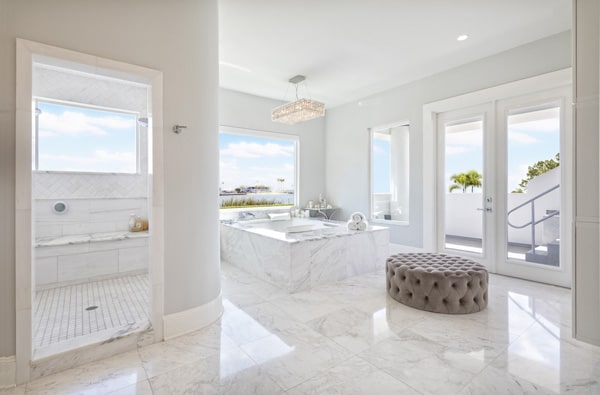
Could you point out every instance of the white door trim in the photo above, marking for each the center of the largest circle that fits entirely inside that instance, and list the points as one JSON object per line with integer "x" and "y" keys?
{"x": 27, "y": 51}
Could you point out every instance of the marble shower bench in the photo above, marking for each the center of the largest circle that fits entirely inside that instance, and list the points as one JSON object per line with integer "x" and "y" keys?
{"x": 300, "y": 254}
{"x": 74, "y": 259}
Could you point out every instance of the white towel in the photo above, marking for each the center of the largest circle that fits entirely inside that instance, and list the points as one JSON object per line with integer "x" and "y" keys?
{"x": 357, "y": 217}
{"x": 363, "y": 226}
{"x": 352, "y": 225}
{"x": 279, "y": 216}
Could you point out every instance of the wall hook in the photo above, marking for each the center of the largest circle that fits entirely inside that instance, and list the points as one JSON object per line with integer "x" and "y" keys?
{"x": 179, "y": 128}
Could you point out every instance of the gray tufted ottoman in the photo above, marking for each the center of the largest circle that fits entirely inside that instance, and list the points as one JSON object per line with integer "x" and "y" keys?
{"x": 437, "y": 282}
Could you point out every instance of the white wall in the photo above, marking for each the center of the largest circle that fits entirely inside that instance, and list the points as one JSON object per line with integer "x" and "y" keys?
{"x": 181, "y": 40}
{"x": 464, "y": 219}
{"x": 246, "y": 111}
{"x": 347, "y": 139}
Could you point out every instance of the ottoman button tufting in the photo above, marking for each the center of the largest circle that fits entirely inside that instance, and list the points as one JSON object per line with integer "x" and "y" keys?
{"x": 442, "y": 272}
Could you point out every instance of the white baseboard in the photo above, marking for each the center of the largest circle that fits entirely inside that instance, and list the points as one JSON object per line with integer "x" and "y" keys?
{"x": 399, "y": 248}
{"x": 8, "y": 369}
{"x": 187, "y": 321}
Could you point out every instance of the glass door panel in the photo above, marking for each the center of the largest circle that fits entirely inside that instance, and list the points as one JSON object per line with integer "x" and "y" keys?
{"x": 463, "y": 179}
{"x": 533, "y": 184}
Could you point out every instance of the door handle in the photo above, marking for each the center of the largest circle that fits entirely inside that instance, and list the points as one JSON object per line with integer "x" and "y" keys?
{"x": 487, "y": 209}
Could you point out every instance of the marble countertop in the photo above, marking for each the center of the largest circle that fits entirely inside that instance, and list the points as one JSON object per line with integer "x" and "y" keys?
{"x": 320, "y": 230}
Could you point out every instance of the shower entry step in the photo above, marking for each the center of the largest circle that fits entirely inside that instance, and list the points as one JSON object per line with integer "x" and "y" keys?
{"x": 73, "y": 315}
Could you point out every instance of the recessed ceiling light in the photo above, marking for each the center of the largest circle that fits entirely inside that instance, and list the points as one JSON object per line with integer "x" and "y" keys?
{"x": 462, "y": 37}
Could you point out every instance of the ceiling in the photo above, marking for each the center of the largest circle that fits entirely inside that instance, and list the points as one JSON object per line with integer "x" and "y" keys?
{"x": 350, "y": 49}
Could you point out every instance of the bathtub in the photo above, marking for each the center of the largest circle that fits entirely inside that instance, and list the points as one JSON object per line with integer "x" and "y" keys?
{"x": 300, "y": 253}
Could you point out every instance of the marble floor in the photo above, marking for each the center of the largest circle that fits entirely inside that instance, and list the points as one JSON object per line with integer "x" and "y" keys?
{"x": 351, "y": 338}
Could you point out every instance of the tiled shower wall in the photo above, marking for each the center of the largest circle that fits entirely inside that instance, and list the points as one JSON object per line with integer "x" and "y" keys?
{"x": 98, "y": 202}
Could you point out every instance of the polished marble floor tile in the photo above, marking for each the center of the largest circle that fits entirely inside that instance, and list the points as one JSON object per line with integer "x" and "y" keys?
{"x": 295, "y": 354}
{"x": 95, "y": 378}
{"x": 353, "y": 377}
{"x": 416, "y": 360}
{"x": 351, "y": 338}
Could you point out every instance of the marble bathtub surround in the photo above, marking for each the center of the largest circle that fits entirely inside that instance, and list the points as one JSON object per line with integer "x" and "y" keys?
{"x": 329, "y": 340}
{"x": 303, "y": 253}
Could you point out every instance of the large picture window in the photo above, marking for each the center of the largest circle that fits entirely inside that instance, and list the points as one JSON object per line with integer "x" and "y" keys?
{"x": 77, "y": 138}
{"x": 257, "y": 169}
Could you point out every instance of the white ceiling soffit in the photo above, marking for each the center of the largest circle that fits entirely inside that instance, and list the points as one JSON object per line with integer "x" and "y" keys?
{"x": 349, "y": 49}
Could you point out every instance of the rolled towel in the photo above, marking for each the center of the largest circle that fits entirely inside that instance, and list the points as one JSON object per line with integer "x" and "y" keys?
{"x": 357, "y": 217}
{"x": 363, "y": 226}
{"x": 352, "y": 225}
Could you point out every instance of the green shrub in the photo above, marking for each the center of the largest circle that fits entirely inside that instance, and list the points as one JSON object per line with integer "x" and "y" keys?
{"x": 251, "y": 202}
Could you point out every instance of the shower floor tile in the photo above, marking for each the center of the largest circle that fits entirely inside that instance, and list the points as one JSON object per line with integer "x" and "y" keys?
{"x": 70, "y": 312}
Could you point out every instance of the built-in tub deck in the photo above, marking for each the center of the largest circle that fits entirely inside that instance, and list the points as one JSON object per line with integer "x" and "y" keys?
{"x": 300, "y": 254}
{"x": 88, "y": 257}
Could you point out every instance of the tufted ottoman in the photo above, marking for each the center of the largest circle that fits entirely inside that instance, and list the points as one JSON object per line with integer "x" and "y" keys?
{"x": 437, "y": 282}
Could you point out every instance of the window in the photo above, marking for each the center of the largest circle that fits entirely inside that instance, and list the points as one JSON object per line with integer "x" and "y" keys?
{"x": 257, "y": 169}
{"x": 77, "y": 138}
{"x": 390, "y": 174}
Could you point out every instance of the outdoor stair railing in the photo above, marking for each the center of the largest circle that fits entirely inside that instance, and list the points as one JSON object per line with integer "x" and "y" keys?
{"x": 533, "y": 222}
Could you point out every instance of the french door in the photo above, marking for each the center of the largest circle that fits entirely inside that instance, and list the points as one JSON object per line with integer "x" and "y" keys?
{"x": 502, "y": 185}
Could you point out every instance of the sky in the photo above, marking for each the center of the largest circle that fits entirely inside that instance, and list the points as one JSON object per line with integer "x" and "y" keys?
{"x": 82, "y": 139}
{"x": 255, "y": 160}
{"x": 381, "y": 166}
{"x": 528, "y": 142}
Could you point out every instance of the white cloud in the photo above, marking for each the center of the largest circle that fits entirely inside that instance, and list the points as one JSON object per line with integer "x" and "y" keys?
{"x": 457, "y": 149}
{"x": 75, "y": 123}
{"x": 255, "y": 150}
{"x": 116, "y": 161}
{"x": 470, "y": 138}
{"x": 543, "y": 125}
{"x": 378, "y": 150}
{"x": 522, "y": 138}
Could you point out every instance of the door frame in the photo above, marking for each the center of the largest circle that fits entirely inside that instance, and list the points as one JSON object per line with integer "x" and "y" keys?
{"x": 486, "y": 112}
{"x": 557, "y": 79}
{"x": 27, "y": 53}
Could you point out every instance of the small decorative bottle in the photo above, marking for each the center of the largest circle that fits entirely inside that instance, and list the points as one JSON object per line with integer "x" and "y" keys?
{"x": 132, "y": 221}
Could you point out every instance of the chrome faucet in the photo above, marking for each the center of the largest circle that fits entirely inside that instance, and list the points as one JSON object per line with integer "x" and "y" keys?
{"x": 246, "y": 215}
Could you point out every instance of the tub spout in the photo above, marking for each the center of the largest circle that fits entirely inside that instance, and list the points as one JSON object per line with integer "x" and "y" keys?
{"x": 246, "y": 215}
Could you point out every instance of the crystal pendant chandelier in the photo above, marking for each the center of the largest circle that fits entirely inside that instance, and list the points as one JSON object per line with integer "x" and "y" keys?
{"x": 300, "y": 110}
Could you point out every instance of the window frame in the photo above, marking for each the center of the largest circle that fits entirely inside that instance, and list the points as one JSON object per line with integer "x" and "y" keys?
{"x": 35, "y": 154}
{"x": 273, "y": 135}
{"x": 372, "y": 132}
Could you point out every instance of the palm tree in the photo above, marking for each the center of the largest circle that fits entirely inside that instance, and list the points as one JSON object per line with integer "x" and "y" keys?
{"x": 472, "y": 179}
{"x": 460, "y": 182}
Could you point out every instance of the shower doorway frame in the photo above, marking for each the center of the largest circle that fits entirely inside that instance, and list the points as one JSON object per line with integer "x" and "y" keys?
{"x": 27, "y": 53}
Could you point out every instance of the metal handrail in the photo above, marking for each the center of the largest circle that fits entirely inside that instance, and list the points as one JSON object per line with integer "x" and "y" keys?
{"x": 533, "y": 222}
